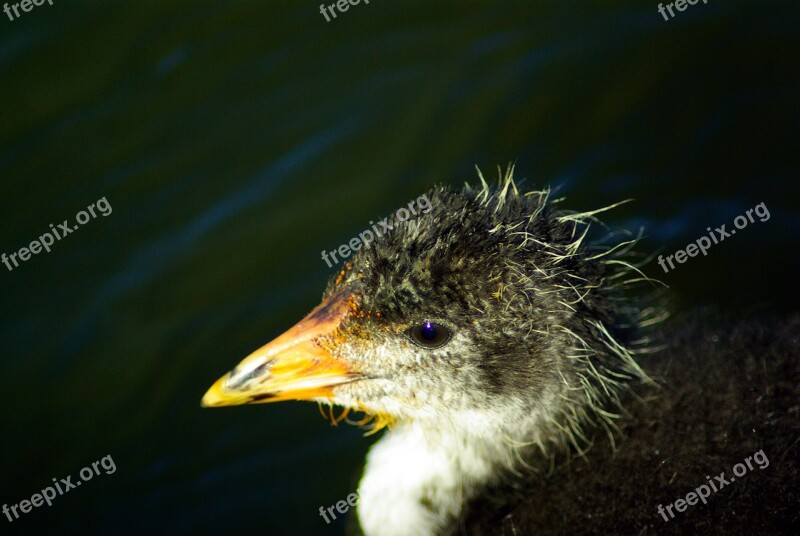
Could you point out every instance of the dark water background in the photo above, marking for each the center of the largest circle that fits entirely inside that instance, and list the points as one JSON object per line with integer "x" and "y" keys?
{"x": 235, "y": 141}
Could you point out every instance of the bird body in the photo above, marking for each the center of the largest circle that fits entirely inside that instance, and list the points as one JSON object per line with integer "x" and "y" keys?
{"x": 491, "y": 335}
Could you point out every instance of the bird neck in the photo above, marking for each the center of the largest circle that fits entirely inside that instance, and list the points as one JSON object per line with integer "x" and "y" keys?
{"x": 420, "y": 475}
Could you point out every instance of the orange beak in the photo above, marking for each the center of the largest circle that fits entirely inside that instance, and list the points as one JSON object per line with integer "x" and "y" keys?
{"x": 295, "y": 366}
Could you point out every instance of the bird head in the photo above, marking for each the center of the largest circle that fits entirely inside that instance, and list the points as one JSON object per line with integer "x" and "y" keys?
{"x": 487, "y": 302}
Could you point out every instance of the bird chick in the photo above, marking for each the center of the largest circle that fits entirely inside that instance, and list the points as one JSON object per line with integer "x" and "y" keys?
{"x": 489, "y": 334}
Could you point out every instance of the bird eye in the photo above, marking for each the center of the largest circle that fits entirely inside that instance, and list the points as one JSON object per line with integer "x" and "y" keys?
{"x": 429, "y": 334}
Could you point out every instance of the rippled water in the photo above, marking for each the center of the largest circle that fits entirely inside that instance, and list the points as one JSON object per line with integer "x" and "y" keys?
{"x": 235, "y": 142}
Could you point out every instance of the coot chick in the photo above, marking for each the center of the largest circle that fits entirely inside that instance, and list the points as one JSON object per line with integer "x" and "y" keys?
{"x": 499, "y": 343}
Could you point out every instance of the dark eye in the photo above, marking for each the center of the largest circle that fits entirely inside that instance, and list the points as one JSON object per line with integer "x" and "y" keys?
{"x": 429, "y": 334}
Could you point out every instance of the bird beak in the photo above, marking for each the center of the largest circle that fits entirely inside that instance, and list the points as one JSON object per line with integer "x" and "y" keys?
{"x": 296, "y": 366}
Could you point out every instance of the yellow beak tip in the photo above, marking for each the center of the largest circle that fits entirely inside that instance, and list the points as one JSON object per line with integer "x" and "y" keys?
{"x": 215, "y": 396}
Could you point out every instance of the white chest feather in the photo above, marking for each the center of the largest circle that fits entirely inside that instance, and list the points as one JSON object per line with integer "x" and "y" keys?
{"x": 416, "y": 482}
